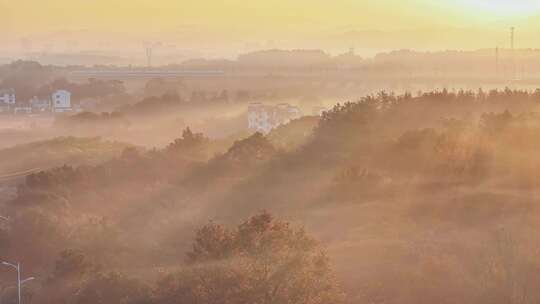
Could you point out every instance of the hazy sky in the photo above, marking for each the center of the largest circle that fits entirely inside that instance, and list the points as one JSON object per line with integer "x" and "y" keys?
{"x": 30, "y": 16}
{"x": 260, "y": 23}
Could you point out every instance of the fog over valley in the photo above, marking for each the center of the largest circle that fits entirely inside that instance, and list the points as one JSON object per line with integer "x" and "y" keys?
{"x": 235, "y": 152}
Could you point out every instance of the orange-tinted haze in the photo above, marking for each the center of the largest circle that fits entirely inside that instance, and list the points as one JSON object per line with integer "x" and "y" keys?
{"x": 239, "y": 25}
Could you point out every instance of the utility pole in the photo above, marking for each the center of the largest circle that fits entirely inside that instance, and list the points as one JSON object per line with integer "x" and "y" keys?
{"x": 497, "y": 61}
{"x": 512, "y": 32}
{"x": 150, "y": 47}
{"x": 149, "y": 52}
{"x": 512, "y": 53}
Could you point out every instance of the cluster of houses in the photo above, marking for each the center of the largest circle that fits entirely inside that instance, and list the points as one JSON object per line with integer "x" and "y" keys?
{"x": 263, "y": 118}
{"x": 58, "y": 102}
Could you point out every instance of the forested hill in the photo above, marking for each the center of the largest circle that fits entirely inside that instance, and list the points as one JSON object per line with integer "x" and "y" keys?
{"x": 413, "y": 199}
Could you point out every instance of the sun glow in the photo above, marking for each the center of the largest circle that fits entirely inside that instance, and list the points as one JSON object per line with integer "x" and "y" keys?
{"x": 504, "y": 7}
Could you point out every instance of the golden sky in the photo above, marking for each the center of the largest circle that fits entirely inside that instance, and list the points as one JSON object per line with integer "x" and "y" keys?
{"x": 137, "y": 15}
{"x": 194, "y": 20}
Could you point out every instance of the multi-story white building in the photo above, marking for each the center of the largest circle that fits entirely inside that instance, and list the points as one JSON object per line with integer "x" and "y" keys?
{"x": 7, "y": 97}
{"x": 264, "y": 118}
{"x": 7, "y": 100}
{"x": 259, "y": 118}
{"x": 61, "y": 101}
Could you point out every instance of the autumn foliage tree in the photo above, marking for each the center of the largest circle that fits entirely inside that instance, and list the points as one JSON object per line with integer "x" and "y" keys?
{"x": 263, "y": 260}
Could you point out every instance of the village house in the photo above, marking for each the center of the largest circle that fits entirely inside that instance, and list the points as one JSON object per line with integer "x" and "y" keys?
{"x": 61, "y": 101}
{"x": 7, "y": 100}
{"x": 7, "y": 96}
{"x": 57, "y": 102}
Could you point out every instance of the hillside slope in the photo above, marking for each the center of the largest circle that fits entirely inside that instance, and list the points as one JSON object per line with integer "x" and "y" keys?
{"x": 417, "y": 200}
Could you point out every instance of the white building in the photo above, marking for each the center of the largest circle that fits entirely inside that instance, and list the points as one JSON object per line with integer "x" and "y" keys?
{"x": 259, "y": 118}
{"x": 7, "y": 97}
{"x": 264, "y": 118}
{"x": 61, "y": 101}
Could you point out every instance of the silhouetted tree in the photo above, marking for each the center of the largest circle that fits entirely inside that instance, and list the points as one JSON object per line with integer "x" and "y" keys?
{"x": 263, "y": 260}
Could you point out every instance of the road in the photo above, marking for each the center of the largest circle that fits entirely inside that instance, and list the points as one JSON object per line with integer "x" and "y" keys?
{"x": 17, "y": 175}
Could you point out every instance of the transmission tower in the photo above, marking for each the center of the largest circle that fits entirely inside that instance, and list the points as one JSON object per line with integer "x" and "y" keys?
{"x": 149, "y": 51}
{"x": 513, "y": 71}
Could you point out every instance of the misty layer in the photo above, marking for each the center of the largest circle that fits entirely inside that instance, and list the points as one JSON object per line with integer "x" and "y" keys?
{"x": 403, "y": 199}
